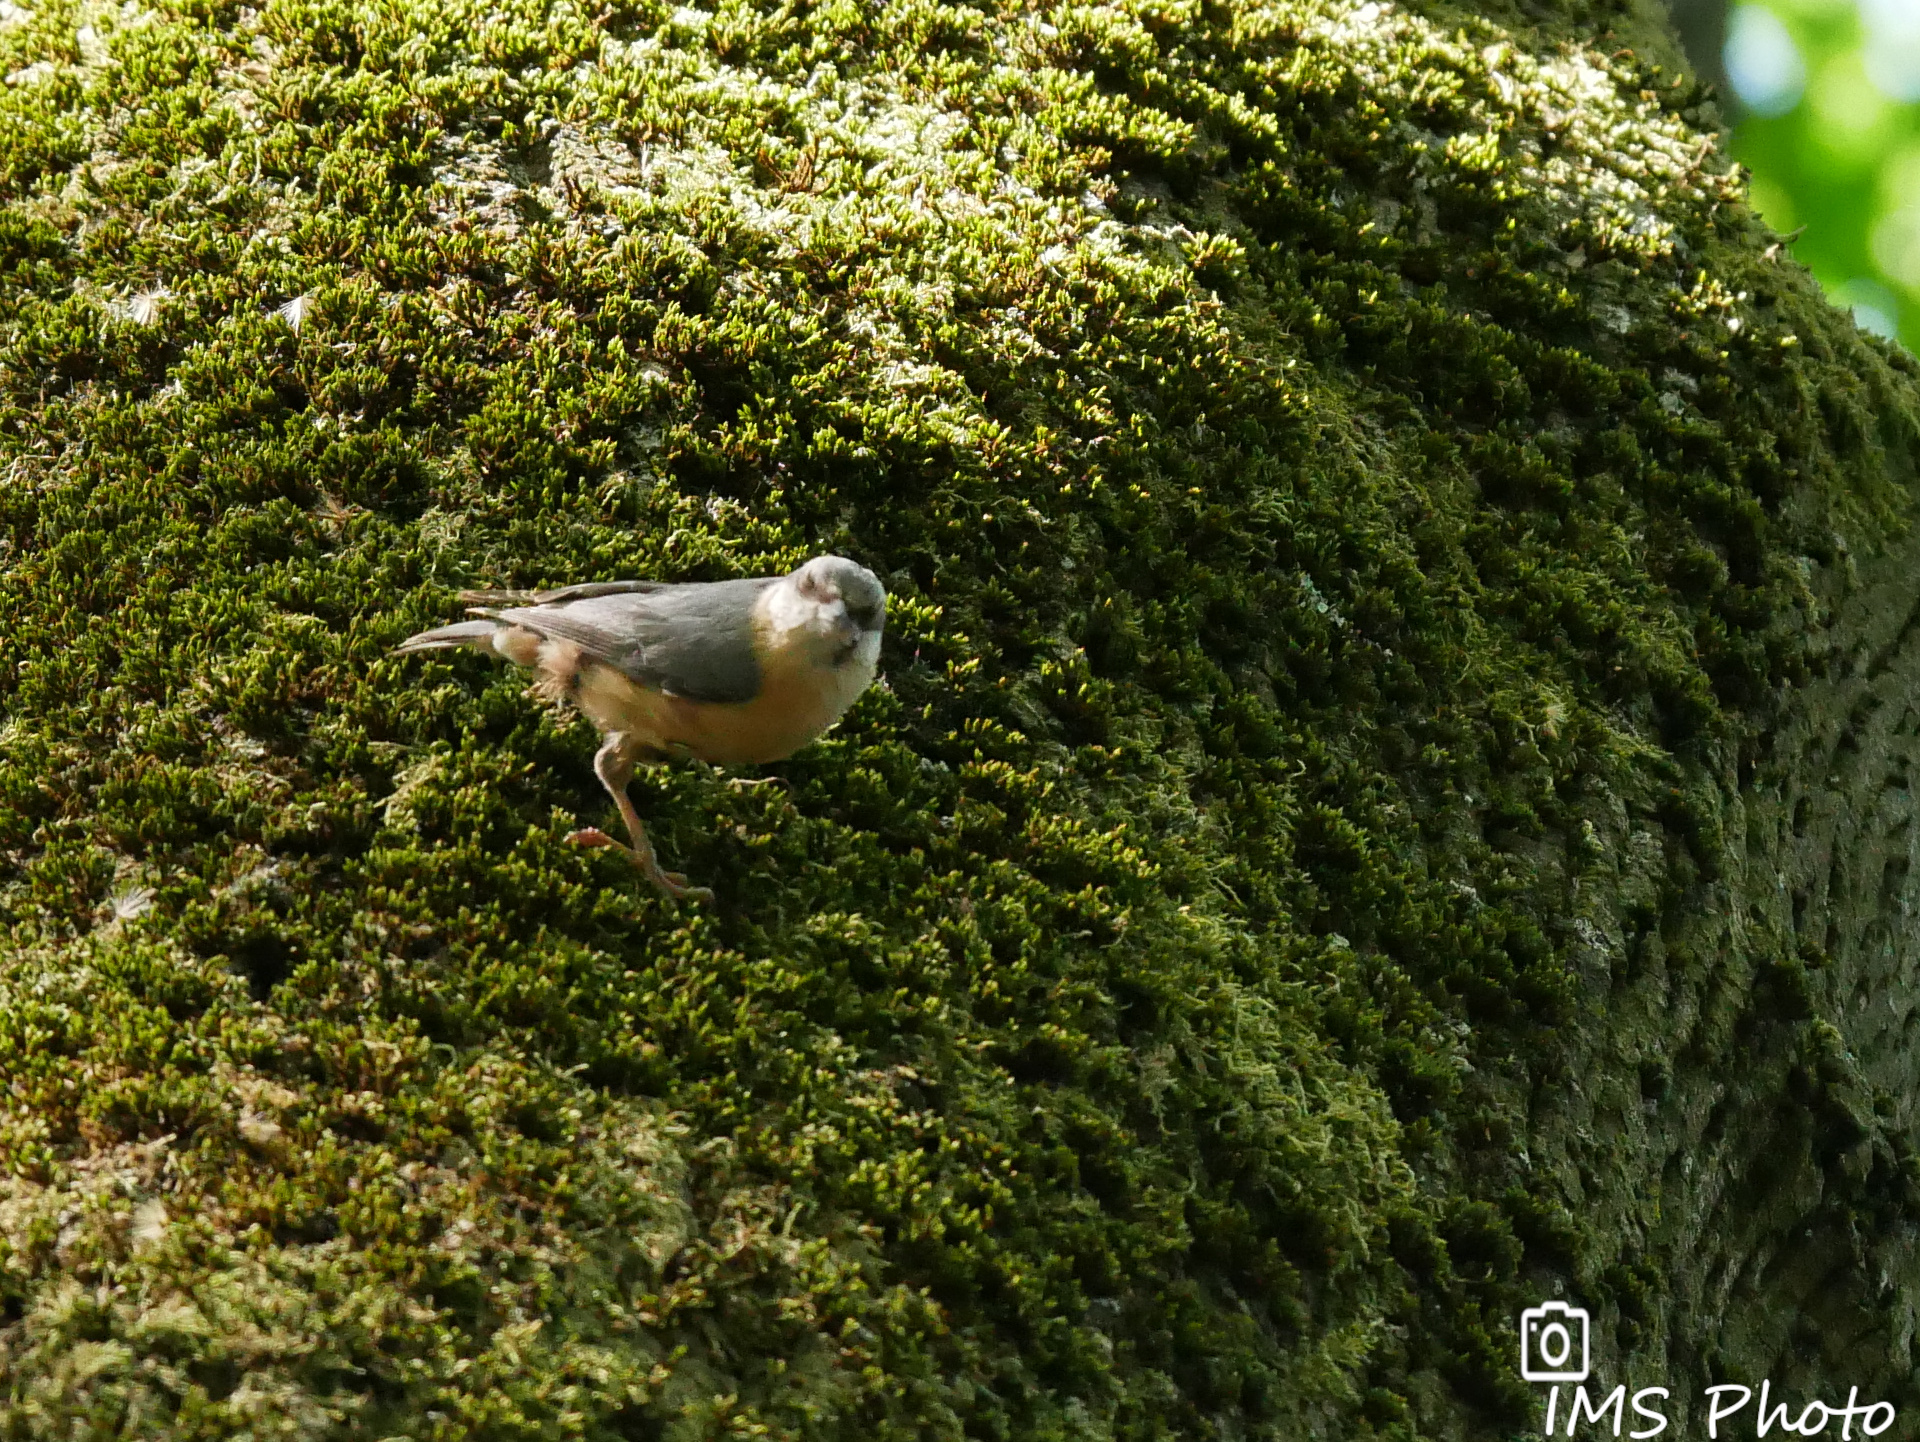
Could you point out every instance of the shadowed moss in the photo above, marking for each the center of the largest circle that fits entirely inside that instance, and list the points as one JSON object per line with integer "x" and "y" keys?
{"x": 1365, "y": 506}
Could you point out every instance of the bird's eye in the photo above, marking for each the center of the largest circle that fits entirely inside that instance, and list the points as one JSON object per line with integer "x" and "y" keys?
{"x": 864, "y": 616}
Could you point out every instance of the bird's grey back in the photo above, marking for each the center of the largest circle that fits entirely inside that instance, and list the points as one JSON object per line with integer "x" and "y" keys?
{"x": 693, "y": 640}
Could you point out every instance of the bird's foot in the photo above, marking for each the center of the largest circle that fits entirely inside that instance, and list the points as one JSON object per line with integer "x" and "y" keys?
{"x": 743, "y": 783}
{"x": 671, "y": 884}
{"x": 674, "y": 883}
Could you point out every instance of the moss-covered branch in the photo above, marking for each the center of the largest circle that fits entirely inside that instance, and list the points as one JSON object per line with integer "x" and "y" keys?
{"x": 1389, "y": 798}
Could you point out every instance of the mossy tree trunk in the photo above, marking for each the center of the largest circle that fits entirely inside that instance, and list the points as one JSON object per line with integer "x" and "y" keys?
{"x": 1391, "y": 799}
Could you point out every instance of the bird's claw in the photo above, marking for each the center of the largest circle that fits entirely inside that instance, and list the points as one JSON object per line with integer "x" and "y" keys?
{"x": 671, "y": 884}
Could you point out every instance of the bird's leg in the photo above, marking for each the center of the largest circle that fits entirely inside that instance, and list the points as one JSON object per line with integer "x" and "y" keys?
{"x": 613, "y": 764}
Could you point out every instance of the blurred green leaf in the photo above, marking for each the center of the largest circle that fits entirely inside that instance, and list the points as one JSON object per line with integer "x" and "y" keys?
{"x": 1827, "y": 105}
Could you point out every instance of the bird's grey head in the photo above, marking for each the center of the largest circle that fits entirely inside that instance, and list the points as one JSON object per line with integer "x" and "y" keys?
{"x": 830, "y": 579}
{"x": 842, "y": 606}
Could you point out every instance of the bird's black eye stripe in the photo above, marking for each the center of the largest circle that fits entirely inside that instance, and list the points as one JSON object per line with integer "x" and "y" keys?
{"x": 864, "y": 616}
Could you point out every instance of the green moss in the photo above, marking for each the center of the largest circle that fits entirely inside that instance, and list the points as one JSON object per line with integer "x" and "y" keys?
{"x": 1357, "y": 491}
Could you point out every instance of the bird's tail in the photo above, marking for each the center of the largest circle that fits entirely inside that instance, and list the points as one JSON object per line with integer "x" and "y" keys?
{"x": 474, "y": 635}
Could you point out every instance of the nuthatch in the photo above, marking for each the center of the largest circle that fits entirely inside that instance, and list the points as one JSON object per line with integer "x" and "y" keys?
{"x": 725, "y": 671}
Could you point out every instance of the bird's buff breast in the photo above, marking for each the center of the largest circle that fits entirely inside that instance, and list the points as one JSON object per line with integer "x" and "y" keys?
{"x": 797, "y": 702}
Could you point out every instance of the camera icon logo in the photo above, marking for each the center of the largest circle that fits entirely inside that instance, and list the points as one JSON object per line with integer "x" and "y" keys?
{"x": 1551, "y": 1335}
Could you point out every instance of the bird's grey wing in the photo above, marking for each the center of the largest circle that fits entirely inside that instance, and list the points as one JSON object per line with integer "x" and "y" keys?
{"x": 693, "y": 640}
{"x": 585, "y": 591}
